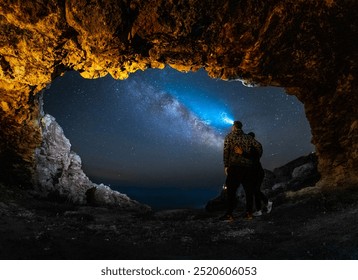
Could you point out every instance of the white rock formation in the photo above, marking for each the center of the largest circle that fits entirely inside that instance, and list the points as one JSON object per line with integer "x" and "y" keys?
{"x": 59, "y": 171}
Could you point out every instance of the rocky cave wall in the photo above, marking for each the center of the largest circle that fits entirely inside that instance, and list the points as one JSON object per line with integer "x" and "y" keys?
{"x": 307, "y": 47}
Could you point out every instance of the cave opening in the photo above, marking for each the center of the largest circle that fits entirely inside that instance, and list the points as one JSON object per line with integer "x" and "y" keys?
{"x": 158, "y": 135}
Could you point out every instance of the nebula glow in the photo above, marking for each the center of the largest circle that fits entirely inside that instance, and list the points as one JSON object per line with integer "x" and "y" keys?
{"x": 169, "y": 114}
{"x": 208, "y": 109}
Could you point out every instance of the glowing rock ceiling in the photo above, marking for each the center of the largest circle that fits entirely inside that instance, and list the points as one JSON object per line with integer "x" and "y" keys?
{"x": 304, "y": 46}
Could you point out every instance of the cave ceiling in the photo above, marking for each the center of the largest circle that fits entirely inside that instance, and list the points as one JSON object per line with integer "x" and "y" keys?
{"x": 307, "y": 47}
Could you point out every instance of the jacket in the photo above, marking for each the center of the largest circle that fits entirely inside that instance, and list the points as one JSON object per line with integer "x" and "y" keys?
{"x": 247, "y": 143}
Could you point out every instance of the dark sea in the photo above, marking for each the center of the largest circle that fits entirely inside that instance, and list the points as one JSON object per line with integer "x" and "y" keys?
{"x": 171, "y": 198}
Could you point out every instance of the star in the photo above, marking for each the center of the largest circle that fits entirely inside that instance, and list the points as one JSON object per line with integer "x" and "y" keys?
{"x": 164, "y": 128}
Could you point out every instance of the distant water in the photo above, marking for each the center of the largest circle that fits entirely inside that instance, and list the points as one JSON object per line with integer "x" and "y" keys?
{"x": 171, "y": 198}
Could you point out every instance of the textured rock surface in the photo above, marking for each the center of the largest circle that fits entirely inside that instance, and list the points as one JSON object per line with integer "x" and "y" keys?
{"x": 297, "y": 174}
{"x": 307, "y": 225}
{"x": 305, "y": 46}
{"x": 59, "y": 172}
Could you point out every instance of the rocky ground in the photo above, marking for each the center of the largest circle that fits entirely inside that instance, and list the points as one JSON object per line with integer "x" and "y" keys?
{"x": 305, "y": 224}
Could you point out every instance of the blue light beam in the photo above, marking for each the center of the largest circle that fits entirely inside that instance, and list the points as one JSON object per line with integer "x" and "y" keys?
{"x": 209, "y": 111}
{"x": 226, "y": 119}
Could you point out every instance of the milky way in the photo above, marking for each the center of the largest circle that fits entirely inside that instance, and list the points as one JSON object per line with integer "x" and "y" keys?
{"x": 165, "y": 128}
{"x": 169, "y": 115}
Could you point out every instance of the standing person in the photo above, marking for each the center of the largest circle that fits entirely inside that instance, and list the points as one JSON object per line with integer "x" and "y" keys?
{"x": 257, "y": 178}
{"x": 238, "y": 168}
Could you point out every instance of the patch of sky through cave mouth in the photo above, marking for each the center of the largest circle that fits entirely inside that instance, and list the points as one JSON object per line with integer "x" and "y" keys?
{"x": 158, "y": 135}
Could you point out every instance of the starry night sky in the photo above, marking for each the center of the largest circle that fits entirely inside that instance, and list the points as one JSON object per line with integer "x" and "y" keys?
{"x": 164, "y": 128}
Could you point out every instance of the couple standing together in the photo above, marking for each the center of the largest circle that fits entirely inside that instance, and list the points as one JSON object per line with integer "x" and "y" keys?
{"x": 242, "y": 153}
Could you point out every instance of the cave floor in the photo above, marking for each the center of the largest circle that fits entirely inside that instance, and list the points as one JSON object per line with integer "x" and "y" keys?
{"x": 314, "y": 226}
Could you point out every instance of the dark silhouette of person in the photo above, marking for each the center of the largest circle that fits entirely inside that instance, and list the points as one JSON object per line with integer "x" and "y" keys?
{"x": 258, "y": 176}
{"x": 239, "y": 168}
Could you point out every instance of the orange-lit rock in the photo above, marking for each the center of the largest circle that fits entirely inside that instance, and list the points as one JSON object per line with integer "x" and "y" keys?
{"x": 305, "y": 46}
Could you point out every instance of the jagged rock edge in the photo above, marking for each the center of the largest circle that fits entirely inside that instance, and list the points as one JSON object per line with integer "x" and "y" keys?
{"x": 59, "y": 171}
